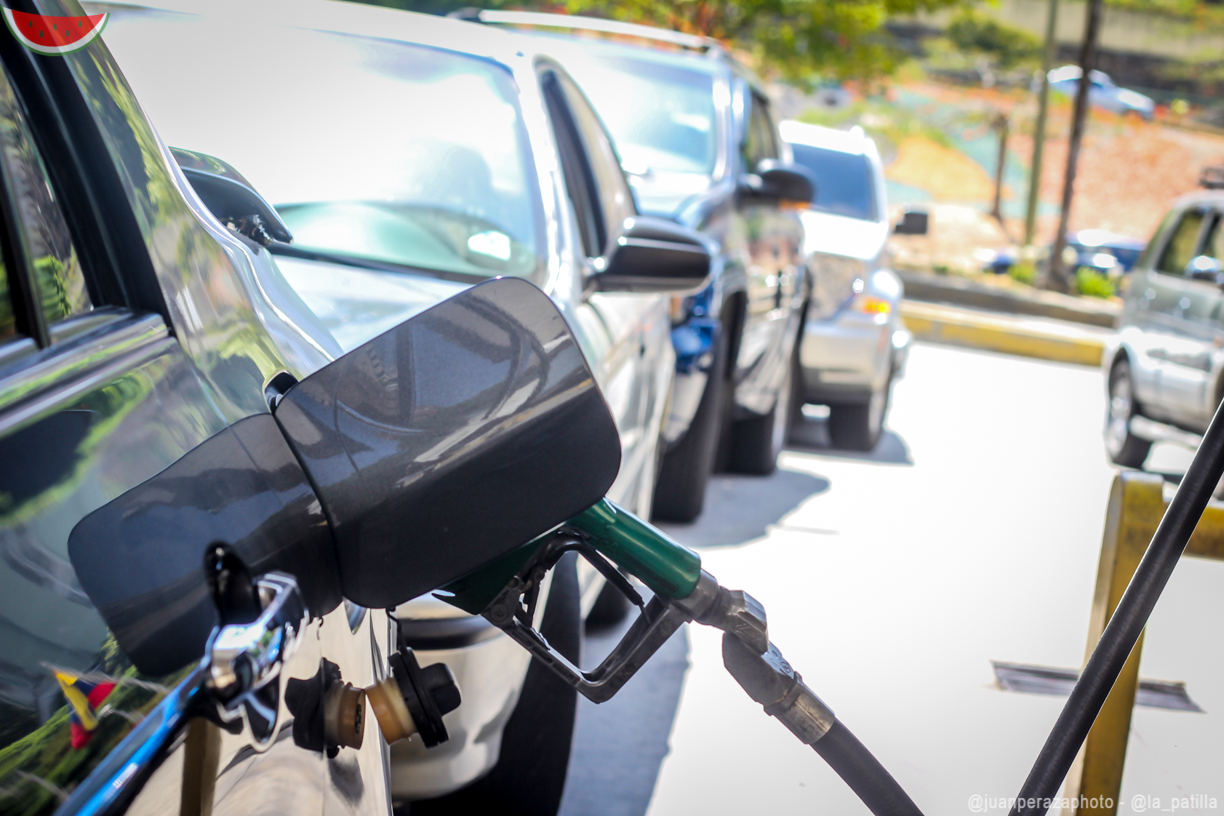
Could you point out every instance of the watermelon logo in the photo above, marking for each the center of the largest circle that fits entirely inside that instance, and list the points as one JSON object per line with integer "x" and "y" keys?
{"x": 54, "y": 35}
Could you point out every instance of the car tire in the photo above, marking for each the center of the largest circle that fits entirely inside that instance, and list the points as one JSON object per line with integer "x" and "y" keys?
{"x": 858, "y": 426}
{"x": 1123, "y": 447}
{"x": 680, "y": 491}
{"x": 529, "y": 777}
{"x": 756, "y": 443}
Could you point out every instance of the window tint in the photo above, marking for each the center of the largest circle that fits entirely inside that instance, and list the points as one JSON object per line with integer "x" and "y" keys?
{"x": 662, "y": 117}
{"x": 59, "y": 283}
{"x": 611, "y": 189}
{"x": 1214, "y": 245}
{"x": 760, "y": 141}
{"x": 1180, "y": 249}
{"x": 579, "y": 180}
{"x": 8, "y": 317}
{"x": 844, "y": 184}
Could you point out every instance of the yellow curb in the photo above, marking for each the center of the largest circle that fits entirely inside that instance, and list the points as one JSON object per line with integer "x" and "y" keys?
{"x": 1043, "y": 339}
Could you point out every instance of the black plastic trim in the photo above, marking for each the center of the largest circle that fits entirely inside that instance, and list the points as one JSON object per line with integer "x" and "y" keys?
{"x": 438, "y": 634}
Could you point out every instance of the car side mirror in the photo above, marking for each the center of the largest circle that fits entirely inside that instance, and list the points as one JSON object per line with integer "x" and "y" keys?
{"x": 231, "y": 198}
{"x": 785, "y": 181}
{"x": 913, "y": 222}
{"x": 1206, "y": 268}
{"x": 654, "y": 255}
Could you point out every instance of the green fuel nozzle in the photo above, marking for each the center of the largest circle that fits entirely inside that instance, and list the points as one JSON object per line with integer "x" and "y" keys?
{"x": 619, "y": 543}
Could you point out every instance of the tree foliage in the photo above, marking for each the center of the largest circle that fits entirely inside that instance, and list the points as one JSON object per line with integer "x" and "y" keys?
{"x": 799, "y": 39}
{"x": 796, "y": 38}
{"x": 975, "y": 33}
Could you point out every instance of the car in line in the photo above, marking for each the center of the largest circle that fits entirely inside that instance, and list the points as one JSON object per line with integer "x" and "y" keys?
{"x": 854, "y": 342}
{"x": 134, "y": 327}
{"x": 428, "y": 198}
{"x": 695, "y": 131}
{"x": 1164, "y": 368}
{"x": 1102, "y": 91}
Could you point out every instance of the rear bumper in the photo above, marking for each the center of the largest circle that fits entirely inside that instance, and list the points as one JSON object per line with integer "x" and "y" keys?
{"x": 846, "y": 358}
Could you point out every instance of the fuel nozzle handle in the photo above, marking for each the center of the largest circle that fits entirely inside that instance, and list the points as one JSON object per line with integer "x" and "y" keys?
{"x": 772, "y": 682}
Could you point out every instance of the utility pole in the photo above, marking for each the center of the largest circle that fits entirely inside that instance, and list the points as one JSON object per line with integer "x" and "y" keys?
{"x": 1043, "y": 104}
{"x": 1001, "y": 126}
{"x": 1057, "y": 276}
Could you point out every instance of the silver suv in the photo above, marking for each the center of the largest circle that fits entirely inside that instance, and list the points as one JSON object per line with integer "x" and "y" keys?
{"x": 1165, "y": 368}
{"x": 854, "y": 343}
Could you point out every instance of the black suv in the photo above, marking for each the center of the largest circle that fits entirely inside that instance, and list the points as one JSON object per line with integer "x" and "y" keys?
{"x": 695, "y": 134}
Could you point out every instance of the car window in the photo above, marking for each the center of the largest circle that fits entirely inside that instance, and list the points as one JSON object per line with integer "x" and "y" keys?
{"x": 1183, "y": 242}
{"x": 844, "y": 183}
{"x": 579, "y": 178}
{"x": 8, "y": 315}
{"x": 760, "y": 142}
{"x": 611, "y": 189}
{"x": 661, "y": 117}
{"x": 387, "y": 151}
{"x": 59, "y": 282}
{"x": 1214, "y": 245}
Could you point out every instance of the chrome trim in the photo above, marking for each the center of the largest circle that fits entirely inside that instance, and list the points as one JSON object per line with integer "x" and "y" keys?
{"x": 77, "y": 358}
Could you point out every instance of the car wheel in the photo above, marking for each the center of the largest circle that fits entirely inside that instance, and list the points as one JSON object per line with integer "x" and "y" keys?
{"x": 858, "y": 426}
{"x": 680, "y": 492}
{"x": 529, "y": 777}
{"x": 1121, "y": 445}
{"x": 756, "y": 443}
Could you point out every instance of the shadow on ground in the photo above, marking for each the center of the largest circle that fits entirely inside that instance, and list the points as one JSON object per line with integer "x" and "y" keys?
{"x": 741, "y": 508}
{"x": 811, "y": 435}
{"x": 619, "y": 745}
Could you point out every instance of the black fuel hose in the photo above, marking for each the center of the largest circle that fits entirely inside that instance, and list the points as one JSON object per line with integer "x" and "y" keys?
{"x": 859, "y": 769}
{"x": 1121, "y": 633}
{"x": 774, "y": 683}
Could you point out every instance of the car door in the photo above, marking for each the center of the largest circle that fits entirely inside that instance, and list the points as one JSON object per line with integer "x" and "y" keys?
{"x": 636, "y": 363}
{"x": 772, "y": 249}
{"x": 96, "y": 398}
{"x": 1181, "y": 332}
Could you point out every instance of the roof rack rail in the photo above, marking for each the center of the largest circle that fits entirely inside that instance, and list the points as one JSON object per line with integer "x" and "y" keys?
{"x": 579, "y": 23}
{"x": 1212, "y": 177}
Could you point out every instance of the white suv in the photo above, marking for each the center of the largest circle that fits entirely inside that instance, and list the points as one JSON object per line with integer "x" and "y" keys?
{"x": 854, "y": 342}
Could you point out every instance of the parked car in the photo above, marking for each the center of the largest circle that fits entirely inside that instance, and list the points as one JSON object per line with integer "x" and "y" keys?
{"x": 1102, "y": 91}
{"x": 133, "y": 328}
{"x": 854, "y": 341}
{"x": 1165, "y": 367}
{"x": 1104, "y": 251}
{"x": 694, "y": 130}
{"x": 412, "y": 157}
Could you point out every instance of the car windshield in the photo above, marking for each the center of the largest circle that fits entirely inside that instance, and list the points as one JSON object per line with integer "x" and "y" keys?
{"x": 843, "y": 181}
{"x": 369, "y": 149}
{"x": 661, "y": 117}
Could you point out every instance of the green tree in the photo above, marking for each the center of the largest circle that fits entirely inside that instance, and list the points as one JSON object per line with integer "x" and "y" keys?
{"x": 795, "y": 38}
{"x": 975, "y": 33}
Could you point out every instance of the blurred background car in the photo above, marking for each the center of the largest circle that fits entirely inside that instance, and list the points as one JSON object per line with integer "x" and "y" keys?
{"x": 1102, "y": 92}
{"x": 854, "y": 342}
{"x": 1165, "y": 371}
{"x": 398, "y": 197}
{"x": 694, "y": 130}
{"x": 1104, "y": 251}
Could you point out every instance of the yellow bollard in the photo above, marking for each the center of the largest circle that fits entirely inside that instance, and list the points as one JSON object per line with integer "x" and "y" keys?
{"x": 1136, "y": 505}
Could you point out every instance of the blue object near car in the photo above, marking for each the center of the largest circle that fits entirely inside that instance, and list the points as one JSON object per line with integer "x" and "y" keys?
{"x": 1102, "y": 93}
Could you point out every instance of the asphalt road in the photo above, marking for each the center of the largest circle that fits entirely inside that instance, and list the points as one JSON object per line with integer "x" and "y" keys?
{"x": 891, "y": 582}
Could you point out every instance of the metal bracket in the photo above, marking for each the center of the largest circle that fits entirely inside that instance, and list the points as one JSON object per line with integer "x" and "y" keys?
{"x": 243, "y": 661}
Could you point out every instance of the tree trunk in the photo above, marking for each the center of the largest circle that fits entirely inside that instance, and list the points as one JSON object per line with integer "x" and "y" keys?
{"x": 1058, "y": 277}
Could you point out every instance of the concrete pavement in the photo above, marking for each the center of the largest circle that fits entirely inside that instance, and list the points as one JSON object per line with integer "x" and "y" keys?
{"x": 891, "y": 581}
